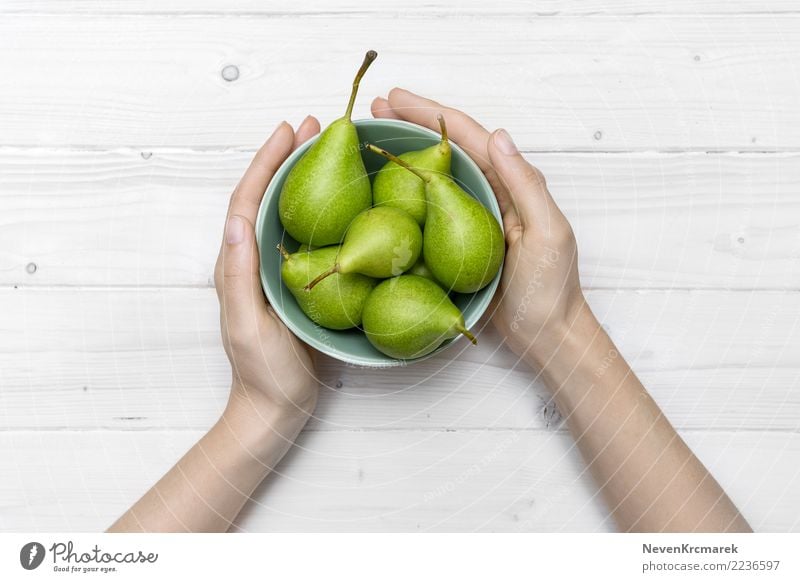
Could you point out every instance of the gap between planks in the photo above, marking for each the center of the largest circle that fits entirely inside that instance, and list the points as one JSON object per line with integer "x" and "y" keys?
{"x": 153, "y": 287}
{"x": 449, "y": 14}
{"x": 222, "y": 149}
{"x": 470, "y": 430}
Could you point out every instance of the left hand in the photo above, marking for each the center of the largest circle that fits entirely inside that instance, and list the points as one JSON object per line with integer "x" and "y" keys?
{"x": 273, "y": 373}
{"x": 540, "y": 296}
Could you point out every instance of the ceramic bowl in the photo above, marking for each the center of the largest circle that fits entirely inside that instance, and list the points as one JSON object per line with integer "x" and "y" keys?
{"x": 351, "y": 346}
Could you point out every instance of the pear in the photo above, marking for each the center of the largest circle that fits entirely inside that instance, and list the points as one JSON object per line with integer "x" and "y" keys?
{"x": 328, "y": 186}
{"x": 393, "y": 186}
{"x": 336, "y": 303}
{"x": 421, "y": 269}
{"x": 409, "y": 316}
{"x": 463, "y": 245}
{"x": 381, "y": 242}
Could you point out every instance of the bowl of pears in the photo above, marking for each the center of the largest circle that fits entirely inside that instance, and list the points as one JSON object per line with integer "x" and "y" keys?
{"x": 381, "y": 242}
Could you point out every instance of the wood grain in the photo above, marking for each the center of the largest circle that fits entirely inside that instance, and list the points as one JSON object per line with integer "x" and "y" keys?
{"x": 85, "y": 359}
{"x": 378, "y": 481}
{"x": 427, "y": 7}
{"x": 642, "y": 220}
{"x": 570, "y": 83}
{"x": 669, "y": 134}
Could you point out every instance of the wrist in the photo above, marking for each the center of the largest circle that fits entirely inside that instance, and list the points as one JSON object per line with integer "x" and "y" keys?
{"x": 293, "y": 401}
{"x": 258, "y": 425}
{"x": 577, "y": 359}
{"x": 566, "y": 339}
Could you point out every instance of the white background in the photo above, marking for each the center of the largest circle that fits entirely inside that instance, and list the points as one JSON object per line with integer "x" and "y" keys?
{"x": 357, "y": 557}
{"x": 670, "y": 137}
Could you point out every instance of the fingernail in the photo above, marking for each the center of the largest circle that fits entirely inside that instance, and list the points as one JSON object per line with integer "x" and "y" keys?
{"x": 504, "y": 143}
{"x": 234, "y": 231}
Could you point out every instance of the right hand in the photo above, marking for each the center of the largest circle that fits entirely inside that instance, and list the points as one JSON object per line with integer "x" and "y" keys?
{"x": 540, "y": 293}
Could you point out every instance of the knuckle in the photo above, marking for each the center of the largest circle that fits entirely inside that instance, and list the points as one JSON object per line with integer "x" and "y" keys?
{"x": 531, "y": 176}
{"x": 564, "y": 235}
{"x": 239, "y": 343}
{"x": 229, "y": 268}
{"x": 218, "y": 275}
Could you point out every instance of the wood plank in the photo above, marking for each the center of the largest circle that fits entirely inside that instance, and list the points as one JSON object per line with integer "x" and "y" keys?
{"x": 368, "y": 481}
{"x": 428, "y": 7}
{"x": 142, "y": 359}
{"x": 642, "y": 220}
{"x": 569, "y": 83}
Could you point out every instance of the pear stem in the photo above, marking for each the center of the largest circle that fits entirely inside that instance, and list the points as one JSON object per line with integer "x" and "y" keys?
{"x": 443, "y": 127}
{"x": 282, "y": 250}
{"x": 463, "y": 330}
{"x": 391, "y": 157}
{"x": 329, "y": 272}
{"x": 368, "y": 58}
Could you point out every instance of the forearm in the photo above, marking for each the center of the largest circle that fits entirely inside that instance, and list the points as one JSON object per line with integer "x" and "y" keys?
{"x": 647, "y": 474}
{"x": 207, "y": 488}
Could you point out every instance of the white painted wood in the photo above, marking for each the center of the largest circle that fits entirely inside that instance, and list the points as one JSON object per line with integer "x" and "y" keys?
{"x": 84, "y": 359}
{"x": 642, "y": 220}
{"x": 120, "y": 143}
{"x": 626, "y": 83}
{"x": 380, "y": 481}
{"x": 428, "y": 7}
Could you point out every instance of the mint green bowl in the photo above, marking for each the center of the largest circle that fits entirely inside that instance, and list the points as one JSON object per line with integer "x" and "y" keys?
{"x": 351, "y": 346}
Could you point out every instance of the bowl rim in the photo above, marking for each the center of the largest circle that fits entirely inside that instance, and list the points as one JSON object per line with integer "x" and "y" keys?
{"x": 327, "y": 348}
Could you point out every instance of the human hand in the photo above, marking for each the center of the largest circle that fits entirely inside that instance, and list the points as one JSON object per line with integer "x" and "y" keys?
{"x": 540, "y": 293}
{"x": 273, "y": 374}
{"x": 649, "y": 477}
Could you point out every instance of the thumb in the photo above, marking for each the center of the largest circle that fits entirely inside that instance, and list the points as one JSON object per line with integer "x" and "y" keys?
{"x": 241, "y": 295}
{"x": 525, "y": 183}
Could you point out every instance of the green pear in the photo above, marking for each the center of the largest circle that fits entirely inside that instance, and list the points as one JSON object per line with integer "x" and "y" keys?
{"x": 381, "y": 242}
{"x": 409, "y": 316}
{"x": 337, "y": 302}
{"x": 393, "y": 186}
{"x": 421, "y": 269}
{"x": 328, "y": 186}
{"x": 463, "y": 244}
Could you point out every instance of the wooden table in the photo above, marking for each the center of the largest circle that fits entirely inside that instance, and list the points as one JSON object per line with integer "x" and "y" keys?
{"x": 670, "y": 137}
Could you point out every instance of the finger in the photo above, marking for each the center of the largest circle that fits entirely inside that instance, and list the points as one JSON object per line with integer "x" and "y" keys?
{"x": 381, "y": 109}
{"x": 461, "y": 128}
{"x": 525, "y": 183}
{"x": 308, "y": 129}
{"x": 247, "y": 196}
{"x": 239, "y": 287}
